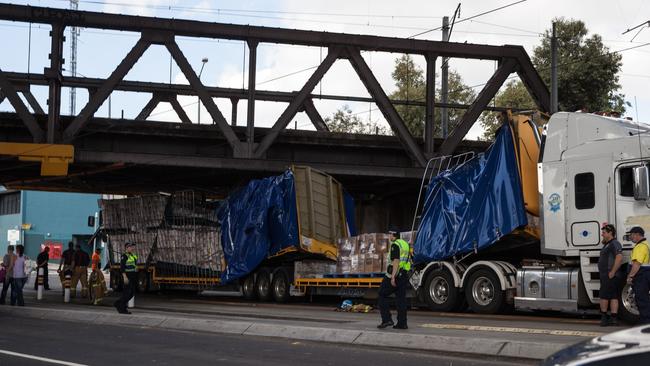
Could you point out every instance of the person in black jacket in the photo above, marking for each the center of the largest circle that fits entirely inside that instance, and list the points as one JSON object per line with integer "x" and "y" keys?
{"x": 42, "y": 261}
{"x": 129, "y": 269}
{"x": 80, "y": 263}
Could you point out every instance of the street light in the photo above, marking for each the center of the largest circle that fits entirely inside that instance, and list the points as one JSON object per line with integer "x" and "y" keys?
{"x": 198, "y": 99}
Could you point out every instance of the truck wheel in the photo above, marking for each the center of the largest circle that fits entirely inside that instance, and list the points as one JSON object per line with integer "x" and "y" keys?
{"x": 263, "y": 285}
{"x": 280, "y": 286}
{"x": 143, "y": 282}
{"x": 439, "y": 291}
{"x": 248, "y": 288}
{"x": 483, "y": 292}
{"x": 627, "y": 310}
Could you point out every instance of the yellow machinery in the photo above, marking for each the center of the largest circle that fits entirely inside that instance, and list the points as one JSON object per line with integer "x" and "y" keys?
{"x": 54, "y": 158}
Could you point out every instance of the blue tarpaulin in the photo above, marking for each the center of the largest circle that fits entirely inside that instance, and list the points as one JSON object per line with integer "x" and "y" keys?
{"x": 257, "y": 221}
{"x": 348, "y": 202}
{"x": 471, "y": 207}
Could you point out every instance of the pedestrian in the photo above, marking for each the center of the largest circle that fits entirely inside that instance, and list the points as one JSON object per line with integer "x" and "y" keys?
{"x": 6, "y": 264}
{"x": 97, "y": 280}
{"x": 19, "y": 276}
{"x": 80, "y": 263}
{"x": 639, "y": 276}
{"x": 42, "y": 261}
{"x": 129, "y": 269}
{"x": 611, "y": 258}
{"x": 65, "y": 265}
{"x": 396, "y": 281}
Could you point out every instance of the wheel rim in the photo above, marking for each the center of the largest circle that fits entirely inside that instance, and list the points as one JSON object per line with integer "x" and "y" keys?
{"x": 627, "y": 298}
{"x": 280, "y": 287}
{"x": 483, "y": 291}
{"x": 439, "y": 290}
{"x": 248, "y": 286}
{"x": 263, "y": 286}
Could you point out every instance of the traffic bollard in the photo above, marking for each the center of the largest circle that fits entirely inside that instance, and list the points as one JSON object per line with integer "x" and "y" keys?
{"x": 39, "y": 281}
{"x": 132, "y": 302}
{"x": 66, "y": 292}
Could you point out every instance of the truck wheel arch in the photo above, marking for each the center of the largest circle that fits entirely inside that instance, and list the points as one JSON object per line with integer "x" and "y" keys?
{"x": 455, "y": 272}
{"x": 505, "y": 272}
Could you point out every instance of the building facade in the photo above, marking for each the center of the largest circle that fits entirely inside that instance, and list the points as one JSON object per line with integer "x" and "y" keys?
{"x": 36, "y": 219}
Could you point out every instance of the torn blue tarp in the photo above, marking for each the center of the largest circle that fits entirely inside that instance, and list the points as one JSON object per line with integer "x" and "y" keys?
{"x": 257, "y": 221}
{"x": 348, "y": 203}
{"x": 471, "y": 207}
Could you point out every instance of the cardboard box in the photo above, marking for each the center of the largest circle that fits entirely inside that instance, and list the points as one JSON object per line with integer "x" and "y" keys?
{"x": 313, "y": 268}
{"x": 344, "y": 265}
{"x": 354, "y": 263}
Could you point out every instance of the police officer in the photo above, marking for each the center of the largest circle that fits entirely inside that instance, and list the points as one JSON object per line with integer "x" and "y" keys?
{"x": 396, "y": 281}
{"x": 129, "y": 269}
{"x": 639, "y": 275}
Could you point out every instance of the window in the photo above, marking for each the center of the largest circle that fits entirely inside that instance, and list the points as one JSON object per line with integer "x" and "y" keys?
{"x": 584, "y": 191}
{"x": 626, "y": 182}
{"x": 10, "y": 203}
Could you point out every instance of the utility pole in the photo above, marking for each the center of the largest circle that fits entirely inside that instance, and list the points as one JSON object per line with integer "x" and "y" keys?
{"x": 74, "y": 33}
{"x": 444, "y": 89}
{"x": 554, "y": 105}
{"x": 198, "y": 101}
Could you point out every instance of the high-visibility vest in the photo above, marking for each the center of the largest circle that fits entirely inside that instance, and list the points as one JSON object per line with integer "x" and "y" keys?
{"x": 131, "y": 263}
{"x": 404, "y": 252}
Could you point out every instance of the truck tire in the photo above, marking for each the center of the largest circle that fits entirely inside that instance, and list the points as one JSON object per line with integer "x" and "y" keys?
{"x": 439, "y": 291}
{"x": 627, "y": 310}
{"x": 143, "y": 282}
{"x": 280, "y": 286}
{"x": 483, "y": 292}
{"x": 263, "y": 285}
{"x": 248, "y": 287}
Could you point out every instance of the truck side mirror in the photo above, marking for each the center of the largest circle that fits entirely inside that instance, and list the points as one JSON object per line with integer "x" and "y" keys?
{"x": 91, "y": 221}
{"x": 641, "y": 183}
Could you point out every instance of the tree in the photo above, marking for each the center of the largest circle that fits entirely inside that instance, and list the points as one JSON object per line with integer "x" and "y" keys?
{"x": 344, "y": 121}
{"x": 587, "y": 75}
{"x": 411, "y": 86}
{"x": 587, "y": 70}
{"x": 515, "y": 95}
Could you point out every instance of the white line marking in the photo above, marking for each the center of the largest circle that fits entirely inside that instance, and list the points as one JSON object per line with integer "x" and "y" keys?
{"x": 514, "y": 330}
{"x": 43, "y": 359}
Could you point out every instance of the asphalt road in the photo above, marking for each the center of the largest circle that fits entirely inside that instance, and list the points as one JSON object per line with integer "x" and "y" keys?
{"x": 67, "y": 343}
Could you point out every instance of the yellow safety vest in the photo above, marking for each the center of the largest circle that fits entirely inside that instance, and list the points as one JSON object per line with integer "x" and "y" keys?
{"x": 404, "y": 252}
{"x": 131, "y": 263}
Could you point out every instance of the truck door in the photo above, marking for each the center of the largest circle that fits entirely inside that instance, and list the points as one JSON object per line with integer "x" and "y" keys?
{"x": 587, "y": 184}
{"x": 629, "y": 212}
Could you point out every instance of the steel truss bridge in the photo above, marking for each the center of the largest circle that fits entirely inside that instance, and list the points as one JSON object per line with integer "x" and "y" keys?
{"x": 135, "y": 155}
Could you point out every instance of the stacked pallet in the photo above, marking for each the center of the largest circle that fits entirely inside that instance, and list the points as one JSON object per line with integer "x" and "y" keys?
{"x": 134, "y": 213}
{"x": 365, "y": 253}
{"x": 190, "y": 246}
{"x": 144, "y": 242}
{"x": 313, "y": 268}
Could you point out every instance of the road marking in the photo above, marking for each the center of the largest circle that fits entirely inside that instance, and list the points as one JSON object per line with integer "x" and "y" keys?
{"x": 514, "y": 330}
{"x": 43, "y": 359}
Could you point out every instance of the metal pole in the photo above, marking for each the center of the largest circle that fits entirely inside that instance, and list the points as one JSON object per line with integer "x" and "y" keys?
{"x": 250, "y": 114}
{"x": 431, "y": 99}
{"x": 39, "y": 278}
{"x": 66, "y": 286}
{"x": 198, "y": 99}
{"x": 554, "y": 104}
{"x": 444, "y": 89}
{"x": 131, "y": 303}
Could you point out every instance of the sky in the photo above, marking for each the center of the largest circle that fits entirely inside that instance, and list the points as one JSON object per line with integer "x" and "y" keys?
{"x": 286, "y": 68}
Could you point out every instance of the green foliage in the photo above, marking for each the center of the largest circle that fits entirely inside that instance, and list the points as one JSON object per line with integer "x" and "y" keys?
{"x": 411, "y": 85}
{"x": 587, "y": 70}
{"x": 515, "y": 95}
{"x": 344, "y": 121}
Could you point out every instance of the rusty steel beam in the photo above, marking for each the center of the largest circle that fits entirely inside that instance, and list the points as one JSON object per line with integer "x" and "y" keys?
{"x": 203, "y": 94}
{"x": 217, "y": 92}
{"x": 178, "y": 108}
{"x": 314, "y": 116}
{"x": 387, "y": 108}
{"x": 54, "y": 75}
{"x": 27, "y": 93}
{"x": 191, "y": 28}
{"x": 506, "y": 67}
{"x": 28, "y": 119}
{"x": 149, "y": 107}
{"x": 298, "y": 101}
{"x": 107, "y": 87}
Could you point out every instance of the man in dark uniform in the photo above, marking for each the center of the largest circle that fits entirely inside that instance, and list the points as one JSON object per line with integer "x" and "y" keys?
{"x": 129, "y": 269}
{"x": 67, "y": 257}
{"x": 42, "y": 261}
{"x": 611, "y": 258}
{"x": 396, "y": 281}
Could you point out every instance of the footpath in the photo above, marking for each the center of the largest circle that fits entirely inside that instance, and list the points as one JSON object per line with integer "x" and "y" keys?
{"x": 512, "y": 336}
